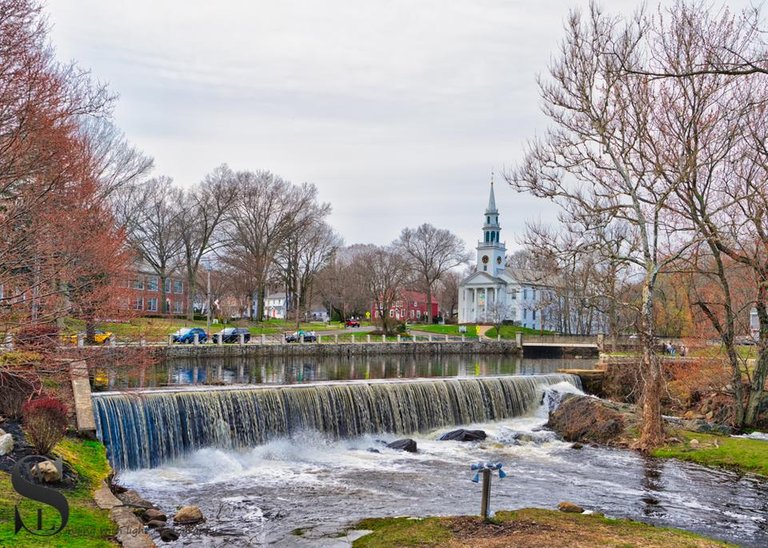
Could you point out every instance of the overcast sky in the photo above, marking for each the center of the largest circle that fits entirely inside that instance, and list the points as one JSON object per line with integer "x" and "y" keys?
{"x": 397, "y": 110}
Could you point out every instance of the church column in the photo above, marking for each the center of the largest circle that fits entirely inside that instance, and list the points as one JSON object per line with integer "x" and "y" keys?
{"x": 485, "y": 304}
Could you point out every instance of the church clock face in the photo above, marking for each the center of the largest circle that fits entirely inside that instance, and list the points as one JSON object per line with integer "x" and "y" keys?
{"x": 498, "y": 260}
{"x": 485, "y": 259}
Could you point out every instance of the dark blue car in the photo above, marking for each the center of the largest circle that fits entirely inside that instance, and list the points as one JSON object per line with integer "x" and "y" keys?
{"x": 186, "y": 335}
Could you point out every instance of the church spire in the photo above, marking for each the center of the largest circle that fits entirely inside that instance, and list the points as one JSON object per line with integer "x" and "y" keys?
{"x": 491, "y": 209}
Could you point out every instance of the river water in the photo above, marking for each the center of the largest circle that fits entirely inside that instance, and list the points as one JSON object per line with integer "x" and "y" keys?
{"x": 261, "y": 495}
{"x": 297, "y": 370}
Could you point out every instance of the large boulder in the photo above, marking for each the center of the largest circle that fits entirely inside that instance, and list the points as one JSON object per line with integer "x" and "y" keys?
{"x": 570, "y": 508}
{"x": 187, "y": 515}
{"x": 129, "y": 497}
{"x": 587, "y": 419}
{"x": 406, "y": 444}
{"x": 463, "y": 435}
{"x": 6, "y": 444}
{"x": 46, "y": 472}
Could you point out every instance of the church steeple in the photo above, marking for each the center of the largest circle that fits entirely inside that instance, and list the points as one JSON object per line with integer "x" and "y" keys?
{"x": 491, "y": 252}
{"x": 491, "y": 209}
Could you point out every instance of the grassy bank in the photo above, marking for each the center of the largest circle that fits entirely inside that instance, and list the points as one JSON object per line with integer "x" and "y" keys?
{"x": 88, "y": 525}
{"x": 510, "y": 331}
{"x": 527, "y": 527}
{"x": 158, "y": 329}
{"x": 744, "y": 455}
{"x": 452, "y": 330}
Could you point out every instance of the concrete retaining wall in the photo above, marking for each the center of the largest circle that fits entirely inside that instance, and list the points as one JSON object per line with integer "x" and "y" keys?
{"x": 341, "y": 349}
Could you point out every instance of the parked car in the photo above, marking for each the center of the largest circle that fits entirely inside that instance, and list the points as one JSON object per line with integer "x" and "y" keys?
{"x": 352, "y": 323}
{"x": 186, "y": 335}
{"x": 231, "y": 335}
{"x": 309, "y": 336}
{"x": 99, "y": 337}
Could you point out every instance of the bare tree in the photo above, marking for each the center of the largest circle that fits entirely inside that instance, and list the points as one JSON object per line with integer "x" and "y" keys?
{"x": 383, "y": 273}
{"x": 604, "y": 134}
{"x": 205, "y": 207}
{"x": 431, "y": 252}
{"x": 152, "y": 214}
{"x": 266, "y": 211}
{"x": 448, "y": 292}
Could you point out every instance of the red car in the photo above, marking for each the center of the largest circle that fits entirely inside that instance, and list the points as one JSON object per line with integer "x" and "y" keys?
{"x": 352, "y": 323}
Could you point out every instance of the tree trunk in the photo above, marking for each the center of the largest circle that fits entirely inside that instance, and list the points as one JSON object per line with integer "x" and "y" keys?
{"x": 191, "y": 288}
{"x": 651, "y": 431}
{"x": 757, "y": 386}
{"x": 429, "y": 304}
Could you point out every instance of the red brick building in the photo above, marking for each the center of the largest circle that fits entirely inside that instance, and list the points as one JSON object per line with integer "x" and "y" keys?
{"x": 144, "y": 294}
{"x": 410, "y": 307}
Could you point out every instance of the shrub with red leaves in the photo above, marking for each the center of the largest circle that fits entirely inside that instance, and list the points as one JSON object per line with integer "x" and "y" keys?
{"x": 45, "y": 423}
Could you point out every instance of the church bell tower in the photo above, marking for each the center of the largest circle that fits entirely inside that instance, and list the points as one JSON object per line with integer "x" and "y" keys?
{"x": 491, "y": 253}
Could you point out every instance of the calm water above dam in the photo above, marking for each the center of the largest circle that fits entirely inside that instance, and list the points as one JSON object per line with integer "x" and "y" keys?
{"x": 303, "y": 369}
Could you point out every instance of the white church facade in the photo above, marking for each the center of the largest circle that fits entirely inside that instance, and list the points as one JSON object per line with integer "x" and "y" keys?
{"x": 494, "y": 293}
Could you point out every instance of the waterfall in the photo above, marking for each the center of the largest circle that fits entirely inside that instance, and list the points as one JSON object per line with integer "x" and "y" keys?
{"x": 143, "y": 430}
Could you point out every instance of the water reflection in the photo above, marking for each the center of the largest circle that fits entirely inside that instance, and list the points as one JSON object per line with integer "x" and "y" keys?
{"x": 297, "y": 370}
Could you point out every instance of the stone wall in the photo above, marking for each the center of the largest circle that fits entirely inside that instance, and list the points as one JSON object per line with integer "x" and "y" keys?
{"x": 342, "y": 349}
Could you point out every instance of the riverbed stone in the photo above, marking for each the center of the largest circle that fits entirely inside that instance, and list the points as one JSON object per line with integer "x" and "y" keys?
{"x": 405, "y": 444}
{"x": 46, "y": 471}
{"x": 6, "y": 444}
{"x": 570, "y": 508}
{"x": 132, "y": 498}
{"x": 463, "y": 435}
{"x": 156, "y": 524}
{"x": 587, "y": 419}
{"x": 188, "y": 515}
{"x": 154, "y": 514}
{"x": 168, "y": 534}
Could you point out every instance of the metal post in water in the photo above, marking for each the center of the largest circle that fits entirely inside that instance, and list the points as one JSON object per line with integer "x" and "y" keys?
{"x": 486, "y": 468}
{"x": 485, "y": 502}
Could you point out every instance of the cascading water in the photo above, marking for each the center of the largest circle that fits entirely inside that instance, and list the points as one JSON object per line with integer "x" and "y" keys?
{"x": 144, "y": 430}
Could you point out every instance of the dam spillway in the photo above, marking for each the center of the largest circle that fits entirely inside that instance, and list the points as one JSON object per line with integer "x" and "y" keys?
{"x": 146, "y": 429}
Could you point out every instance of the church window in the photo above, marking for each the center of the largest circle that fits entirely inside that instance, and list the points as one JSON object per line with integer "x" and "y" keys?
{"x": 498, "y": 260}
{"x": 525, "y": 313}
{"x": 488, "y": 220}
{"x": 525, "y": 294}
{"x": 534, "y": 314}
{"x": 487, "y": 237}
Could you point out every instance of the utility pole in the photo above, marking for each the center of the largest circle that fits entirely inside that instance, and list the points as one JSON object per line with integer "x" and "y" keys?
{"x": 298, "y": 301}
{"x": 208, "y": 331}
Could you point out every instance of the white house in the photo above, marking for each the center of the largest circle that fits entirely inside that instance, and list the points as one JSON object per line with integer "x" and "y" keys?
{"x": 496, "y": 293}
{"x": 274, "y": 305}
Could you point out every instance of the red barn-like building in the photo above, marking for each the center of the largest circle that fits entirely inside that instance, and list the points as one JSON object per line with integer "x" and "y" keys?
{"x": 411, "y": 307}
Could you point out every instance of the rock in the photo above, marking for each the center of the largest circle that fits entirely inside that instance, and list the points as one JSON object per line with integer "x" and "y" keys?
{"x": 46, "y": 471}
{"x": 154, "y": 514}
{"x": 188, "y": 515}
{"x": 587, "y": 419}
{"x": 373, "y": 450}
{"x": 570, "y": 508}
{"x": 6, "y": 444}
{"x": 577, "y": 446}
{"x": 132, "y": 498}
{"x": 2, "y": 432}
{"x": 463, "y": 435}
{"x": 694, "y": 443}
{"x": 709, "y": 416}
{"x": 156, "y": 524}
{"x": 167, "y": 534}
{"x": 406, "y": 444}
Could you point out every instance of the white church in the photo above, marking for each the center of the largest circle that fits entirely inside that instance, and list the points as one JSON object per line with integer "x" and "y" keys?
{"x": 494, "y": 292}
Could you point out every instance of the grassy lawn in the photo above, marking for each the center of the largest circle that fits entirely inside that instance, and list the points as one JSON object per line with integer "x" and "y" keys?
{"x": 509, "y": 331}
{"x": 527, "y": 527}
{"x": 87, "y": 526}
{"x": 452, "y": 330}
{"x": 158, "y": 329}
{"x": 735, "y": 453}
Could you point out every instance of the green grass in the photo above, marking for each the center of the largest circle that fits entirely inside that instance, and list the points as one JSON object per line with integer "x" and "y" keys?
{"x": 510, "y": 331}
{"x": 88, "y": 525}
{"x": 529, "y": 527}
{"x": 740, "y": 454}
{"x": 158, "y": 329}
{"x": 452, "y": 330}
